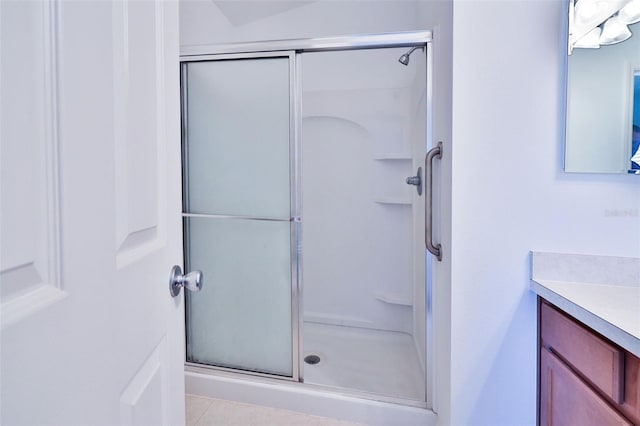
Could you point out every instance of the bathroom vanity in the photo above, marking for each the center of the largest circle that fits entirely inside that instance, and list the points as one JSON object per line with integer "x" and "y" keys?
{"x": 588, "y": 340}
{"x": 584, "y": 378}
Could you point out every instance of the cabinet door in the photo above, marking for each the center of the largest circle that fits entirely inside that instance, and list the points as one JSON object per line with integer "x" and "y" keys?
{"x": 589, "y": 354}
{"x": 566, "y": 400}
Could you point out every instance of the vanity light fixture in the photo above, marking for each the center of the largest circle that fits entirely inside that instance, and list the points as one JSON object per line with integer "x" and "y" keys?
{"x": 593, "y": 23}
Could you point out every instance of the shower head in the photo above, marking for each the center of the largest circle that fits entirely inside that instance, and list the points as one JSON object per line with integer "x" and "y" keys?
{"x": 404, "y": 59}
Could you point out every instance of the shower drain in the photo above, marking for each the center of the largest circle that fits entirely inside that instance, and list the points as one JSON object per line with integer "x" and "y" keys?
{"x": 312, "y": 359}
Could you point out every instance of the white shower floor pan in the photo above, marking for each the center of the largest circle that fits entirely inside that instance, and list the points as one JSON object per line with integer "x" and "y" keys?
{"x": 365, "y": 360}
{"x": 353, "y": 362}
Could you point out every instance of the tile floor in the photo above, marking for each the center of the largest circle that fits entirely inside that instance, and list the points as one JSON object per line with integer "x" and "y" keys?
{"x": 375, "y": 361}
{"x": 216, "y": 412}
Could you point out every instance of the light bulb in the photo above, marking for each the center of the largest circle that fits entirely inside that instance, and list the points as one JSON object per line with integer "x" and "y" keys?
{"x": 630, "y": 14}
{"x": 614, "y": 31}
{"x": 591, "y": 12}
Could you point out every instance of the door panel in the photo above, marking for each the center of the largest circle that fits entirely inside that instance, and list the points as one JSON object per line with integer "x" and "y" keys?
{"x": 139, "y": 141}
{"x": 139, "y": 400}
{"x": 111, "y": 351}
{"x": 242, "y": 317}
{"x": 237, "y": 149}
{"x": 237, "y": 141}
{"x": 30, "y": 219}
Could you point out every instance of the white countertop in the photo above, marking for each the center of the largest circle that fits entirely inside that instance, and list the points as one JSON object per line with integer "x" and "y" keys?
{"x": 602, "y": 292}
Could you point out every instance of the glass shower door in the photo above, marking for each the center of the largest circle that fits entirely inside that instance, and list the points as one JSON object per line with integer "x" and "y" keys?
{"x": 237, "y": 215}
{"x": 365, "y": 301}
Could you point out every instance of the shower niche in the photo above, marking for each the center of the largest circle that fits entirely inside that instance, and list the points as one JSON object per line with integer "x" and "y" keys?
{"x": 297, "y": 210}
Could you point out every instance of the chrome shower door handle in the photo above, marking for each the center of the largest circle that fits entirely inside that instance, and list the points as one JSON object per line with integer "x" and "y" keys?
{"x": 191, "y": 281}
{"x": 435, "y": 249}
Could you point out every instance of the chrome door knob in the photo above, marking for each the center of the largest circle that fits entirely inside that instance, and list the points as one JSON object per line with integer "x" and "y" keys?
{"x": 191, "y": 281}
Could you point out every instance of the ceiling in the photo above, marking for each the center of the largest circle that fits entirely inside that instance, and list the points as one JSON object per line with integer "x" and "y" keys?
{"x": 247, "y": 11}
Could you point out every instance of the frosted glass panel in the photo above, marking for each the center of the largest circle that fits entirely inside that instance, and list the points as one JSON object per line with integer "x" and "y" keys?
{"x": 237, "y": 147}
{"x": 242, "y": 316}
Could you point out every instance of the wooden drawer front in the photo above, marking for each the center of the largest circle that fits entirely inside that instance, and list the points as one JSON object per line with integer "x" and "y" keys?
{"x": 598, "y": 361}
{"x": 567, "y": 400}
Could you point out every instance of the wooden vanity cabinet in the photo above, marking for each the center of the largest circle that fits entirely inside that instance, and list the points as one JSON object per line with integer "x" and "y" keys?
{"x": 584, "y": 378}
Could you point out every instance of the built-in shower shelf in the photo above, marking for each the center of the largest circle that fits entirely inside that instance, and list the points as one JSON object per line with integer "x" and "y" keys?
{"x": 393, "y": 200}
{"x": 393, "y": 299}
{"x": 393, "y": 156}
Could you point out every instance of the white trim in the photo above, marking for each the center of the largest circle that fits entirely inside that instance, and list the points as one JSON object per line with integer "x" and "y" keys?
{"x": 430, "y": 361}
{"x": 52, "y": 137}
{"x": 633, "y": 69}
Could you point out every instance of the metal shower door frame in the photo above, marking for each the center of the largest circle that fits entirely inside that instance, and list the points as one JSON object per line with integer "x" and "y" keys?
{"x": 294, "y": 212}
{"x": 294, "y": 49}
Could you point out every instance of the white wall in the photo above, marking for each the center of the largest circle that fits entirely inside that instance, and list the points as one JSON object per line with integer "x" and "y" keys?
{"x": 510, "y": 196}
{"x": 209, "y": 21}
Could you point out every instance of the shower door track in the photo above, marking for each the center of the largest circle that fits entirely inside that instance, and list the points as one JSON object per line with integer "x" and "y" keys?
{"x": 293, "y": 48}
{"x": 325, "y": 44}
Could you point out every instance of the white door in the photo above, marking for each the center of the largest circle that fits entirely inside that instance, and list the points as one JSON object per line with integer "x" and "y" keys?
{"x": 90, "y": 213}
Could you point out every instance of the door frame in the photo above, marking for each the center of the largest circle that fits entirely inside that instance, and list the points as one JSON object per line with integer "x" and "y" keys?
{"x": 293, "y": 49}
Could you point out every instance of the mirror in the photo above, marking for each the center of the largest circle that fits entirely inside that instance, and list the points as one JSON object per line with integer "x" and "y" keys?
{"x": 603, "y": 87}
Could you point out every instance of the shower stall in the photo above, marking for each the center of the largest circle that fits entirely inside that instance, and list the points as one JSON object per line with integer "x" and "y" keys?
{"x": 304, "y": 189}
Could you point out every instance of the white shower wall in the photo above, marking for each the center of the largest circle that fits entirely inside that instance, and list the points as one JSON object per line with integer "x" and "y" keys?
{"x": 356, "y": 152}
